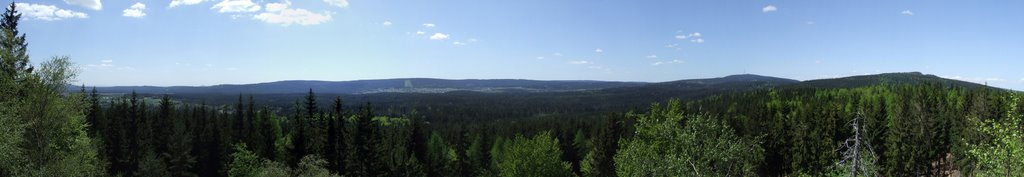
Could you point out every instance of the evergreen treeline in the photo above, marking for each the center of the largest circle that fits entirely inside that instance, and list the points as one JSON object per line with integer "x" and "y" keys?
{"x": 923, "y": 129}
{"x": 905, "y": 130}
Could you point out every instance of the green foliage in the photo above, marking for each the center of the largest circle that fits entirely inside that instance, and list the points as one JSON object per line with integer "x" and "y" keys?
{"x": 671, "y": 143}
{"x": 1003, "y": 152}
{"x": 245, "y": 163}
{"x": 537, "y": 156}
{"x": 45, "y": 127}
{"x": 152, "y": 165}
{"x": 600, "y": 161}
{"x": 440, "y": 157}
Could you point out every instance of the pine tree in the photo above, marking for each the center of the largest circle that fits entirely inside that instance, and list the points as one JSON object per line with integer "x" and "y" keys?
{"x": 14, "y": 60}
{"x": 249, "y": 124}
{"x": 299, "y": 137}
{"x": 600, "y": 162}
{"x": 179, "y": 148}
{"x": 238, "y": 122}
{"x": 367, "y": 140}
{"x": 94, "y": 113}
{"x": 334, "y": 150}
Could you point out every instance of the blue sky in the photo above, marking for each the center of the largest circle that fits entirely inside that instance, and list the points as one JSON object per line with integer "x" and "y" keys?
{"x": 210, "y": 42}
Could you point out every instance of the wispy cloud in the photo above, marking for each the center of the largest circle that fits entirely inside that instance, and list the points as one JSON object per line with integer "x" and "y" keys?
{"x": 280, "y": 13}
{"x": 769, "y": 8}
{"x": 429, "y": 25}
{"x": 694, "y": 37}
{"x": 579, "y": 62}
{"x": 47, "y": 12}
{"x": 175, "y": 3}
{"x": 667, "y": 62}
{"x": 107, "y": 65}
{"x": 907, "y": 12}
{"x": 135, "y": 11}
{"x": 458, "y": 43}
{"x": 673, "y": 46}
{"x": 386, "y": 23}
{"x": 541, "y": 58}
{"x": 652, "y": 56}
{"x": 598, "y": 50}
{"x": 234, "y": 6}
{"x": 338, "y": 3}
{"x": 91, "y": 4}
{"x": 439, "y": 36}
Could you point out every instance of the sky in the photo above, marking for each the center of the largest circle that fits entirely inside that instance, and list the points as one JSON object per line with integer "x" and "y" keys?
{"x": 210, "y": 42}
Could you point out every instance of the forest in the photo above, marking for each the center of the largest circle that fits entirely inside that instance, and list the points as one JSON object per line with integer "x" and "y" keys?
{"x": 889, "y": 129}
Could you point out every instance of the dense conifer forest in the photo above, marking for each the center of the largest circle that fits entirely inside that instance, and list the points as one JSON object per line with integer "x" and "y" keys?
{"x": 926, "y": 128}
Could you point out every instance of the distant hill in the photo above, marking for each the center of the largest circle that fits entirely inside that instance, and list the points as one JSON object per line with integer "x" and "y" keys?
{"x": 527, "y": 98}
{"x": 679, "y": 88}
{"x": 885, "y": 78}
{"x": 410, "y": 85}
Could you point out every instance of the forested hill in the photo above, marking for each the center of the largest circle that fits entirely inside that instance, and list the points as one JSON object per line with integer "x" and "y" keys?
{"x": 428, "y": 85}
{"x": 886, "y": 78}
{"x": 408, "y": 85}
{"x": 577, "y": 96}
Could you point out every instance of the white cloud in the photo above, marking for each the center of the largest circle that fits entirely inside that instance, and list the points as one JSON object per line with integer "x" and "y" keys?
{"x": 541, "y": 58}
{"x": 420, "y": 33}
{"x": 47, "y": 12}
{"x": 104, "y": 64}
{"x": 652, "y": 56}
{"x": 694, "y": 37}
{"x": 907, "y": 12}
{"x": 667, "y": 62}
{"x": 135, "y": 10}
{"x": 276, "y": 7}
{"x": 473, "y": 40}
{"x": 175, "y": 3}
{"x": 809, "y": 22}
{"x": 91, "y": 4}
{"x": 228, "y": 6}
{"x": 339, "y": 3}
{"x": 279, "y": 13}
{"x": 439, "y": 36}
{"x": 429, "y": 25}
{"x": 386, "y": 23}
{"x": 769, "y": 8}
{"x": 557, "y": 54}
{"x": 598, "y": 50}
{"x": 458, "y": 43}
{"x": 579, "y": 62}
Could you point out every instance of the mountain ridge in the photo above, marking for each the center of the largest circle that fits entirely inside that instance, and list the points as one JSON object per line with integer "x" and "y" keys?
{"x": 434, "y": 85}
